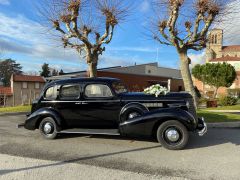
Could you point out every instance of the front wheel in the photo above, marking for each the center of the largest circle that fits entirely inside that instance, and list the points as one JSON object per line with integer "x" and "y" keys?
{"x": 172, "y": 135}
{"x": 48, "y": 128}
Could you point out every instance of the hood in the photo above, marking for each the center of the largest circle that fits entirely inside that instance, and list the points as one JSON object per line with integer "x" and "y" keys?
{"x": 143, "y": 96}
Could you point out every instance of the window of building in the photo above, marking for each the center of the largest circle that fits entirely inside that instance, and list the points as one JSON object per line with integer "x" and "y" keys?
{"x": 215, "y": 39}
{"x": 37, "y": 85}
{"x": 24, "y": 85}
{"x": 70, "y": 92}
{"x": 51, "y": 93}
{"x": 98, "y": 90}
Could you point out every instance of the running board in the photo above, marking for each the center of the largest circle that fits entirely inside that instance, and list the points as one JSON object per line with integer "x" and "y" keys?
{"x": 114, "y": 132}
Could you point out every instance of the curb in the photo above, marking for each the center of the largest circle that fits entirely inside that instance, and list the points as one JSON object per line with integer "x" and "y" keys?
{"x": 14, "y": 114}
{"x": 224, "y": 125}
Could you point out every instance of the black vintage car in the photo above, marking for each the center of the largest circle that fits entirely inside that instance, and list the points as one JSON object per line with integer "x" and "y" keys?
{"x": 104, "y": 106}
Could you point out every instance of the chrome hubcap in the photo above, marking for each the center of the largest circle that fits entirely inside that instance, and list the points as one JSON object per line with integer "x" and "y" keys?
{"x": 172, "y": 135}
{"x": 47, "y": 128}
{"x": 133, "y": 115}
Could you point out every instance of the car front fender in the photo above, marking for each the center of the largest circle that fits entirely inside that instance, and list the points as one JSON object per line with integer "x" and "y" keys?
{"x": 33, "y": 120}
{"x": 145, "y": 124}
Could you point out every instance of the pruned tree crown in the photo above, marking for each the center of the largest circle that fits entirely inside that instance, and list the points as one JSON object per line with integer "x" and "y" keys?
{"x": 197, "y": 22}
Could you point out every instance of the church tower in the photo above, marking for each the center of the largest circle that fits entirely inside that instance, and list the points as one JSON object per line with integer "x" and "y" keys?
{"x": 214, "y": 45}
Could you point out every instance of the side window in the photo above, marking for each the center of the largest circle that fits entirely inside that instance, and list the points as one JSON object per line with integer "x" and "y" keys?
{"x": 70, "y": 92}
{"x": 51, "y": 93}
{"x": 98, "y": 90}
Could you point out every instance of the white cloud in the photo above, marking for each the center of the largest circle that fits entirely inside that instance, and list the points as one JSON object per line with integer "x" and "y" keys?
{"x": 22, "y": 36}
{"x": 145, "y": 6}
{"x": 5, "y": 2}
{"x": 22, "y": 29}
{"x": 230, "y": 23}
{"x": 133, "y": 49}
{"x": 197, "y": 58}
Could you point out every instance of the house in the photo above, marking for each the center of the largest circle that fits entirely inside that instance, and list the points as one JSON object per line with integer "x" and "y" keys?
{"x": 217, "y": 53}
{"x": 137, "y": 77}
{"x": 23, "y": 90}
{"x": 5, "y": 94}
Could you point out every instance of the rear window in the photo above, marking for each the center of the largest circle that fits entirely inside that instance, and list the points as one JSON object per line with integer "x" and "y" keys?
{"x": 98, "y": 90}
{"x": 51, "y": 93}
{"x": 70, "y": 92}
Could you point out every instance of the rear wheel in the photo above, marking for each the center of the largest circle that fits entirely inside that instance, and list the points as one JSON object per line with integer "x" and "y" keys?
{"x": 48, "y": 128}
{"x": 172, "y": 135}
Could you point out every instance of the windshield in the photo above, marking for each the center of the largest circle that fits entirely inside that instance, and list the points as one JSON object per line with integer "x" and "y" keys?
{"x": 119, "y": 87}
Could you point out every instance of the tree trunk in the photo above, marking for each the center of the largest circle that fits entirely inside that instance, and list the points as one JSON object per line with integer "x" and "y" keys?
{"x": 187, "y": 77}
{"x": 92, "y": 70}
{"x": 215, "y": 92}
{"x": 92, "y": 65}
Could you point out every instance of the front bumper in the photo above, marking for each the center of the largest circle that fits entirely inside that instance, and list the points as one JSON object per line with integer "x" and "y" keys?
{"x": 202, "y": 127}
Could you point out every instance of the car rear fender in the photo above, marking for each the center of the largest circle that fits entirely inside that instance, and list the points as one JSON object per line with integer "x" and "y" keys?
{"x": 34, "y": 119}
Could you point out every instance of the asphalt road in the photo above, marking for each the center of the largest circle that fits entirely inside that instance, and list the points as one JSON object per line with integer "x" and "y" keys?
{"x": 214, "y": 156}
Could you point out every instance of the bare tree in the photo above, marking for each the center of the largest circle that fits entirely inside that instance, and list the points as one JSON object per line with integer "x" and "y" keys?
{"x": 85, "y": 25}
{"x": 185, "y": 25}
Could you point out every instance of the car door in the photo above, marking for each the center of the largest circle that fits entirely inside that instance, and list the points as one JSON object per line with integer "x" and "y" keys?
{"x": 67, "y": 104}
{"x": 100, "y": 107}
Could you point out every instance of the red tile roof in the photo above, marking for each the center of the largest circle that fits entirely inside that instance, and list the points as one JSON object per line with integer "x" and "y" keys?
{"x": 232, "y": 48}
{"x": 5, "y": 90}
{"x": 226, "y": 58}
{"x": 27, "y": 78}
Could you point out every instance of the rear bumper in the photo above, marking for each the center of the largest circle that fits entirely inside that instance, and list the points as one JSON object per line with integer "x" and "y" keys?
{"x": 202, "y": 127}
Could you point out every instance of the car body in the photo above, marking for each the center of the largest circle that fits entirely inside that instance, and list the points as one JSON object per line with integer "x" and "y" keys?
{"x": 104, "y": 106}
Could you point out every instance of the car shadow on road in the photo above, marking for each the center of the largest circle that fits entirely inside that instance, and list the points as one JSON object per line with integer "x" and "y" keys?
{"x": 215, "y": 136}
{"x": 7, "y": 171}
{"x": 100, "y": 136}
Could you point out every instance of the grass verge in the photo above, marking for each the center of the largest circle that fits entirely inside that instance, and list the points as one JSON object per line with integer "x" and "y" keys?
{"x": 214, "y": 117}
{"x": 15, "y": 109}
{"x": 235, "y": 107}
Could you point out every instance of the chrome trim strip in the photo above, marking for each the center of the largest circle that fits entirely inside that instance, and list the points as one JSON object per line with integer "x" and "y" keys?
{"x": 81, "y": 101}
{"x": 69, "y": 132}
{"x": 157, "y": 100}
{"x": 129, "y": 122}
{"x": 204, "y": 130}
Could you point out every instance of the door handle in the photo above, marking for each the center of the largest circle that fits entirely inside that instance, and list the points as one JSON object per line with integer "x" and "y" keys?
{"x": 77, "y": 103}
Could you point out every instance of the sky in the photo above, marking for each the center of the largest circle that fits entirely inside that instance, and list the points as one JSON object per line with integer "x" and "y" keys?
{"x": 23, "y": 38}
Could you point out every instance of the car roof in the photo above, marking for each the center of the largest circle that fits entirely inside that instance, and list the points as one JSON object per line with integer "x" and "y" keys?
{"x": 81, "y": 80}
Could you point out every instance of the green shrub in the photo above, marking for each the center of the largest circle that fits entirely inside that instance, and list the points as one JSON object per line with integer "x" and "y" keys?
{"x": 228, "y": 100}
{"x": 202, "y": 100}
